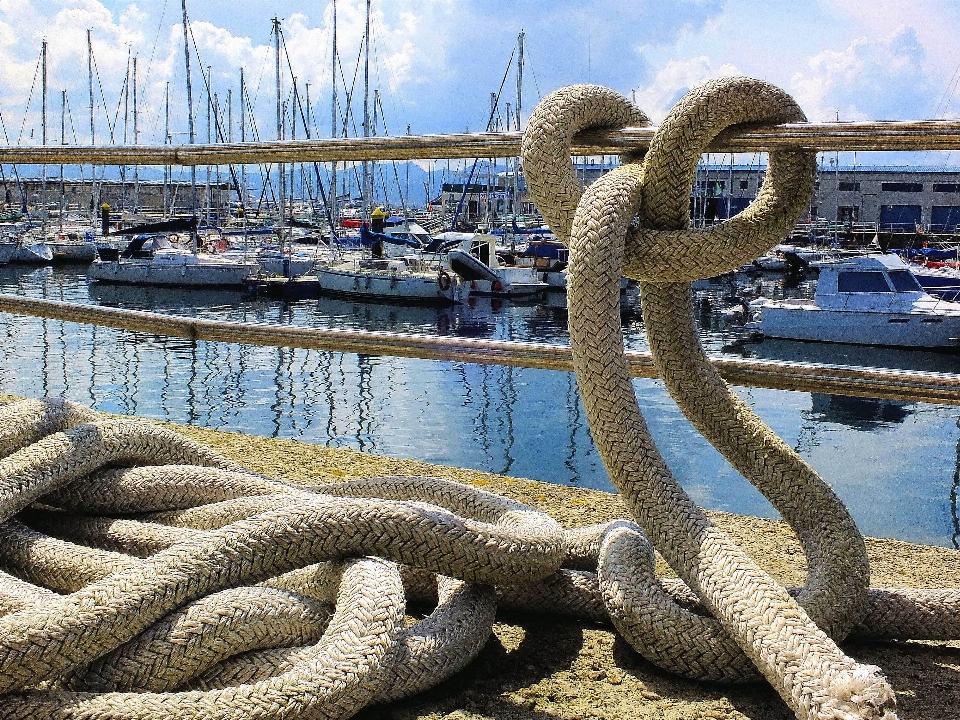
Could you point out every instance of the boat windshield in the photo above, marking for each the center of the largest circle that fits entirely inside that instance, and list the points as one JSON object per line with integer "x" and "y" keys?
{"x": 862, "y": 282}
{"x": 904, "y": 281}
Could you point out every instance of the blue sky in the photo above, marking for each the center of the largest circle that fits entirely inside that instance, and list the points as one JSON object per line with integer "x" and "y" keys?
{"x": 436, "y": 62}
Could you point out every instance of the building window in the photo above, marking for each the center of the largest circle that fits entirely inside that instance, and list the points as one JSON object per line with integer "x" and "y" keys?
{"x": 902, "y": 187}
{"x": 848, "y": 186}
{"x": 848, "y": 213}
{"x": 946, "y": 187}
{"x": 711, "y": 188}
{"x": 744, "y": 184}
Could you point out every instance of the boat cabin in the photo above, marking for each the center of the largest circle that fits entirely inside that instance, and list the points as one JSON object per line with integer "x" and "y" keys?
{"x": 863, "y": 283}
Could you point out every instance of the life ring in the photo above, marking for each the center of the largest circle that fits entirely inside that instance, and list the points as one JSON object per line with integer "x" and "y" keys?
{"x": 443, "y": 280}
{"x": 497, "y": 286}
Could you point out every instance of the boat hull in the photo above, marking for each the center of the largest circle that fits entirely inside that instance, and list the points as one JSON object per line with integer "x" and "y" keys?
{"x": 39, "y": 254}
{"x": 73, "y": 252}
{"x": 392, "y": 287}
{"x": 136, "y": 272}
{"x": 862, "y": 328}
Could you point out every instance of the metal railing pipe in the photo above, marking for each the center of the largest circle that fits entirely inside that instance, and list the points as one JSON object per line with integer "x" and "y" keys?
{"x": 900, "y": 135}
{"x": 804, "y": 377}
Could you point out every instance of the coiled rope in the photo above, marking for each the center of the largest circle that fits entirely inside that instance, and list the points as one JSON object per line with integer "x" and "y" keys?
{"x": 144, "y": 576}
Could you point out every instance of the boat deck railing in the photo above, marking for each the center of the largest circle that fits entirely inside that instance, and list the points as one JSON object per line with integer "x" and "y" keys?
{"x": 808, "y": 377}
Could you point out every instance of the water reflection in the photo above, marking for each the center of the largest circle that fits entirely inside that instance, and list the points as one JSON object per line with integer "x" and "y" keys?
{"x": 516, "y": 421}
{"x": 857, "y": 412}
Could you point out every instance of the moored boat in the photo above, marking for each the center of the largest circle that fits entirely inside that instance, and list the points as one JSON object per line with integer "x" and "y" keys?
{"x": 154, "y": 260}
{"x": 867, "y": 300}
{"x": 407, "y": 279}
{"x": 473, "y": 257}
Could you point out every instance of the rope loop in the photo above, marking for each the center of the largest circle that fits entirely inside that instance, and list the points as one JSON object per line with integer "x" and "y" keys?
{"x": 634, "y": 221}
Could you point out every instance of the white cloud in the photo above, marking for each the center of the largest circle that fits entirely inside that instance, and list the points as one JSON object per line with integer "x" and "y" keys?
{"x": 879, "y": 78}
{"x": 675, "y": 79}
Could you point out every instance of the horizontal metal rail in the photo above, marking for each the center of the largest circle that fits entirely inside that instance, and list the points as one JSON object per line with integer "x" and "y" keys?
{"x": 805, "y": 377}
{"x": 905, "y": 135}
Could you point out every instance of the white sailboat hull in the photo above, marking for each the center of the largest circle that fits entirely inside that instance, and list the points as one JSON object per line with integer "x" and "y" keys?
{"x": 38, "y": 254}
{"x": 167, "y": 273}
{"x": 350, "y": 281}
{"x": 73, "y": 251}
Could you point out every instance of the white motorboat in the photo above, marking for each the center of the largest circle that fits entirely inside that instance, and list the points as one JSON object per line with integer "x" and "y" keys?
{"x": 73, "y": 244}
{"x": 154, "y": 260}
{"x": 866, "y": 300}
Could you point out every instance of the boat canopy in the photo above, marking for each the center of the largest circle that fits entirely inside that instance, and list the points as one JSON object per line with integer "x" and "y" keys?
{"x": 368, "y": 238}
{"x": 175, "y": 225}
{"x": 147, "y": 243}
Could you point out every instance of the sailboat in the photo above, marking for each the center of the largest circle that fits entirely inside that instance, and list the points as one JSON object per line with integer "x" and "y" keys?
{"x": 160, "y": 254}
{"x": 392, "y": 264}
{"x": 166, "y": 253}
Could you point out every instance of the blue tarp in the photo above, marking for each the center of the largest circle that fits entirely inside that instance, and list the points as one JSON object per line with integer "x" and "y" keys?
{"x": 930, "y": 253}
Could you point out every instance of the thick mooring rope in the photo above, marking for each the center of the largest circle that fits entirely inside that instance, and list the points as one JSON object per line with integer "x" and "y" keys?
{"x": 144, "y": 576}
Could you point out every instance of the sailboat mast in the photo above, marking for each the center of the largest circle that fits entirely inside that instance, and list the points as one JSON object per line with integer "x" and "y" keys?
{"x": 43, "y": 124}
{"x": 94, "y": 195}
{"x": 243, "y": 168}
{"x": 516, "y": 165}
{"x": 166, "y": 141}
{"x": 136, "y": 141}
{"x": 126, "y": 122}
{"x": 243, "y": 138}
{"x": 193, "y": 168}
{"x": 294, "y": 102}
{"x": 308, "y": 133}
{"x": 367, "y": 189}
{"x": 333, "y": 124}
{"x": 63, "y": 141}
{"x": 519, "y": 76}
{"x": 281, "y": 167}
{"x": 206, "y": 197}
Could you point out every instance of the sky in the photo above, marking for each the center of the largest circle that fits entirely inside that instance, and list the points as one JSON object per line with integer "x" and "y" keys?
{"x": 436, "y": 62}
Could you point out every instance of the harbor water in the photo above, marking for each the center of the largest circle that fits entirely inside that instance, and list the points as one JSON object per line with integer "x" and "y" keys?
{"x": 895, "y": 464}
